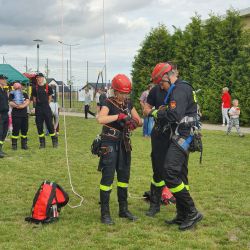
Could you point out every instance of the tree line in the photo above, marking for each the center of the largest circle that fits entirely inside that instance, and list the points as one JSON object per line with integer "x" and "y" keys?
{"x": 210, "y": 54}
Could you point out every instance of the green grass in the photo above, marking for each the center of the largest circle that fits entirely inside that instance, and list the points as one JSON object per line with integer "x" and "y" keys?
{"x": 220, "y": 188}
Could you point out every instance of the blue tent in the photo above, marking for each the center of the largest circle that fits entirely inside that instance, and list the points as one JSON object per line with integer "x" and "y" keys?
{"x": 12, "y": 74}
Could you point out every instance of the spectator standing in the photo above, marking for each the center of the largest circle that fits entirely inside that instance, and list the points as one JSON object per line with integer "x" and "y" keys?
{"x": 97, "y": 95}
{"x": 234, "y": 121}
{"x": 87, "y": 102}
{"x": 103, "y": 97}
{"x": 148, "y": 122}
{"x": 226, "y": 104}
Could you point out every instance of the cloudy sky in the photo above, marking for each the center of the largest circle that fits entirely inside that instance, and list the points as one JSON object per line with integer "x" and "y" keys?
{"x": 126, "y": 24}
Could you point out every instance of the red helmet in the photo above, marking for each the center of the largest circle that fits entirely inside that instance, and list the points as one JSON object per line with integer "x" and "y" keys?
{"x": 121, "y": 83}
{"x": 159, "y": 70}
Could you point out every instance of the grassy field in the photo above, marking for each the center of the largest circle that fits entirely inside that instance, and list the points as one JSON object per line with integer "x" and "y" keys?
{"x": 220, "y": 187}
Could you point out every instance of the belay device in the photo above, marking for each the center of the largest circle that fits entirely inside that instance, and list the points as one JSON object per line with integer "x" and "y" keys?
{"x": 47, "y": 203}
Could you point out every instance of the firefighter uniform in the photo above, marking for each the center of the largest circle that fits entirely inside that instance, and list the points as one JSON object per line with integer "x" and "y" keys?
{"x": 4, "y": 119}
{"x": 20, "y": 122}
{"x": 43, "y": 113}
{"x": 160, "y": 138}
{"x": 180, "y": 114}
{"x": 116, "y": 151}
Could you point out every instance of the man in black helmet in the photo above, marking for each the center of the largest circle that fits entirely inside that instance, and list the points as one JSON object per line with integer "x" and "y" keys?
{"x": 41, "y": 95}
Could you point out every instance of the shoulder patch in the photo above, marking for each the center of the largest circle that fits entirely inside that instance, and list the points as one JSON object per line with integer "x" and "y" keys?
{"x": 172, "y": 104}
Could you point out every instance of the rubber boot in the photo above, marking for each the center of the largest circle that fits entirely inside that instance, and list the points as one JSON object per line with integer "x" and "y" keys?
{"x": 180, "y": 216}
{"x": 187, "y": 204}
{"x": 54, "y": 141}
{"x": 24, "y": 143}
{"x": 193, "y": 217}
{"x": 155, "y": 201}
{"x": 105, "y": 213}
{"x": 42, "y": 142}
{"x": 14, "y": 144}
{"x": 122, "y": 194}
{"x": 2, "y": 154}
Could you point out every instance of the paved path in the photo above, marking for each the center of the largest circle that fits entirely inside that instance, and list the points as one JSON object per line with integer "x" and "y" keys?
{"x": 204, "y": 126}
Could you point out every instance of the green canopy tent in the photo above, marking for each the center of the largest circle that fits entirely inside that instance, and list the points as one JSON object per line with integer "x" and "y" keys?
{"x": 13, "y": 74}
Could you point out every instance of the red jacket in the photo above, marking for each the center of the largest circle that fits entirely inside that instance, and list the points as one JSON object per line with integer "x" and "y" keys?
{"x": 226, "y": 100}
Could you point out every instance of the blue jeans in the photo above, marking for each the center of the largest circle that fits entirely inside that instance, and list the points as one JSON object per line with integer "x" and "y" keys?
{"x": 148, "y": 126}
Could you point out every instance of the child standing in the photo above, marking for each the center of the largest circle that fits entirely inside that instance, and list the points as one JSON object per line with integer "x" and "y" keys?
{"x": 234, "y": 114}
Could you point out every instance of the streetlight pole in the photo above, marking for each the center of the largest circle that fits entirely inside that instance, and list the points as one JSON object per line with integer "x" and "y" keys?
{"x": 38, "y": 41}
{"x": 70, "y": 66}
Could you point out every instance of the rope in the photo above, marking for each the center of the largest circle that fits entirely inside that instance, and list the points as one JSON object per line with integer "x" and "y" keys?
{"x": 104, "y": 39}
{"x": 65, "y": 127}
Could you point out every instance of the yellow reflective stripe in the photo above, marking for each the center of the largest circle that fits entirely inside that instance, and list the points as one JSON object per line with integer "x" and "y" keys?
{"x": 122, "y": 184}
{"x": 42, "y": 135}
{"x": 178, "y": 188}
{"x": 14, "y": 137}
{"x": 52, "y": 134}
{"x": 105, "y": 188}
{"x": 187, "y": 187}
{"x": 194, "y": 96}
{"x": 1, "y": 142}
{"x": 158, "y": 184}
{"x": 23, "y": 136}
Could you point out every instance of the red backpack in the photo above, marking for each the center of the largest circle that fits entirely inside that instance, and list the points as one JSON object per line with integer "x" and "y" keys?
{"x": 47, "y": 203}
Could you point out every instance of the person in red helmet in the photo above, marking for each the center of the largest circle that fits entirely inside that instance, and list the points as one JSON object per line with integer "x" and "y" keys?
{"x": 119, "y": 118}
{"x": 160, "y": 140}
{"x": 181, "y": 115}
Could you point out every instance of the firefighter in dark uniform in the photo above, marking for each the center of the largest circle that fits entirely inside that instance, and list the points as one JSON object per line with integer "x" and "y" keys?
{"x": 160, "y": 138}
{"x": 19, "y": 102}
{"x": 41, "y": 95}
{"x": 4, "y": 108}
{"x": 118, "y": 117}
{"x": 181, "y": 114}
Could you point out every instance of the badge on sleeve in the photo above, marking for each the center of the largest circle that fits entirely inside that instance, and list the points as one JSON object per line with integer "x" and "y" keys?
{"x": 173, "y": 104}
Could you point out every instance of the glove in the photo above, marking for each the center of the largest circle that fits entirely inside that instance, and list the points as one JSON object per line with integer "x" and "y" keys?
{"x": 167, "y": 197}
{"x": 132, "y": 124}
{"x": 122, "y": 117}
{"x": 153, "y": 113}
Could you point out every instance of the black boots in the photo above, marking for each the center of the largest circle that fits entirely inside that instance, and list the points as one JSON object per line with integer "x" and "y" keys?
{"x": 105, "y": 213}
{"x": 124, "y": 212}
{"x": 187, "y": 210}
{"x": 54, "y": 141}
{"x": 24, "y": 143}
{"x": 14, "y": 143}
{"x": 42, "y": 142}
{"x": 155, "y": 200}
{"x": 180, "y": 216}
{"x": 192, "y": 218}
{"x": 1, "y": 151}
{"x": 122, "y": 194}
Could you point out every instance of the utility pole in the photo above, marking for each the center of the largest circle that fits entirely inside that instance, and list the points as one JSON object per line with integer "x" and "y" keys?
{"x": 47, "y": 65}
{"x": 87, "y": 72}
{"x": 38, "y": 41}
{"x": 26, "y": 64}
{"x": 70, "y": 67}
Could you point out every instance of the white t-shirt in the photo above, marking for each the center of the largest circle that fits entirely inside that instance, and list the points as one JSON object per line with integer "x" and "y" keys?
{"x": 234, "y": 112}
{"x": 97, "y": 97}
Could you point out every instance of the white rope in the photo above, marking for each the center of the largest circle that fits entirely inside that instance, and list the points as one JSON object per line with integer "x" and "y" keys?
{"x": 65, "y": 128}
{"x": 104, "y": 40}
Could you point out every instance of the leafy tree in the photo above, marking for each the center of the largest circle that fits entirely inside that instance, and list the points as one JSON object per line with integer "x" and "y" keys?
{"x": 210, "y": 54}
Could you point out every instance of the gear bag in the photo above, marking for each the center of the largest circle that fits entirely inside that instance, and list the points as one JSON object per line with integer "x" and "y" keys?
{"x": 47, "y": 203}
